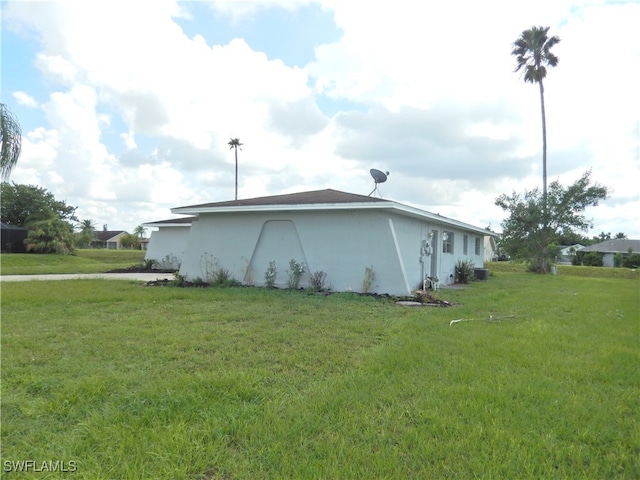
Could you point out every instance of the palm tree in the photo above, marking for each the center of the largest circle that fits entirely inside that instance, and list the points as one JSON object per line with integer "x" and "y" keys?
{"x": 235, "y": 143}
{"x": 10, "y": 140}
{"x": 139, "y": 231}
{"x": 87, "y": 226}
{"x": 533, "y": 54}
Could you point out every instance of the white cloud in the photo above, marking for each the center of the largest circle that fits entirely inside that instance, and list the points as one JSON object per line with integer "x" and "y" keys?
{"x": 440, "y": 106}
{"x": 25, "y": 99}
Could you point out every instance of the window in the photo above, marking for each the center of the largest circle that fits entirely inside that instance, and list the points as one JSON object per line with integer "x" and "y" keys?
{"x": 447, "y": 242}
{"x": 477, "y": 245}
{"x": 465, "y": 244}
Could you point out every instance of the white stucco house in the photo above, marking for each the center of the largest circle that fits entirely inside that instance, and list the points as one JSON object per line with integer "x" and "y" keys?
{"x": 342, "y": 234}
{"x": 167, "y": 244}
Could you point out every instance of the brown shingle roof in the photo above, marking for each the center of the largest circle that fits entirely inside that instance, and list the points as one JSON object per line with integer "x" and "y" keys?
{"x": 176, "y": 221}
{"x": 303, "y": 198}
{"x": 104, "y": 235}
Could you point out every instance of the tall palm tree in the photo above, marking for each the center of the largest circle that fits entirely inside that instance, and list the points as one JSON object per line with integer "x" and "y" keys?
{"x": 10, "y": 140}
{"x": 235, "y": 143}
{"x": 139, "y": 231}
{"x": 87, "y": 226}
{"x": 533, "y": 54}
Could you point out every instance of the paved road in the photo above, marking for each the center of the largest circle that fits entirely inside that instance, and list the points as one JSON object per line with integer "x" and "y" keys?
{"x": 145, "y": 277}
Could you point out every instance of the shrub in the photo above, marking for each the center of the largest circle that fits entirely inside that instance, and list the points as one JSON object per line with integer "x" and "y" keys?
{"x": 464, "y": 271}
{"x": 170, "y": 262}
{"x": 50, "y": 236}
{"x": 178, "y": 280}
{"x": 317, "y": 281}
{"x": 296, "y": 271}
{"x": 631, "y": 261}
{"x": 369, "y": 278}
{"x": 222, "y": 278}
{"x": 149, "y": 264}
{"x": 589, "y": 259}
{"x": 270, "y": 274}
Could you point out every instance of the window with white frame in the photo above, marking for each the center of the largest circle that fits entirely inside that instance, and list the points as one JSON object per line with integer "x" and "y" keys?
{"x": 465, "y": 244}
{"x": 478, "y": 243}
{"x": 447, "y": 242}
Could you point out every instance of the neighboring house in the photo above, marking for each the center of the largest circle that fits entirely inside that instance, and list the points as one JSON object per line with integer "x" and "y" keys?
{"x": 567, "y": 253}
{"x": 109, "y": 239}
{"x": 490, "y": 248}
{"x": 166, "y": 245}
{"x": 352, "y": 238}
{"x": 609, "y": 248}
{"x": 13, "y": 238}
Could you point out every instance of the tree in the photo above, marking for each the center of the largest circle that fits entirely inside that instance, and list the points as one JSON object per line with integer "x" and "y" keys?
{"x": 604, "y": 236}
{"x": 528, "y": 234}
{"x": 533, "y": 54}
{"x": 50, "y": 236}
{"x": 87, "y": 226}
{"x": 130, "y": 241}
{"x": 235, "y": 143}
{"x": 86, "y": 234}
{"x": 139, "y": 231}
{"x": 621, "y": 236}
{"x": 25, "y": 204}
{"x": 10, "y": 141}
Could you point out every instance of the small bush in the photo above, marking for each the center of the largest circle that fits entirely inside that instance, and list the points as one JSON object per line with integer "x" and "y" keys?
{"x": 170, "y": 262}
{"x": 631, "y": 261}
{"x": 296, "y": 271}
{"x": 271, "y": 274}
{"x": 222, "y": 278}
{"x": 369, "y": 278}
{"x": 464, "y": 271}
{"x": 178, "y": 280}
{"x": 317, "y": 281}
{"x": 149, "y": 264}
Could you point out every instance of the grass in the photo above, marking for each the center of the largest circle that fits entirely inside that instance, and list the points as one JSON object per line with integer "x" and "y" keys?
{"x": 571, "y": 270}
{"x": 132, "y": 382}
{"x": 84, "y": 261}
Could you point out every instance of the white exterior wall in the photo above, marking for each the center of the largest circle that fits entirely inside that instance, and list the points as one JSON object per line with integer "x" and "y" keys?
{"x": 608, "y": 260}
{"x": 342, "y": 243}
{"x": 167, "y": 246}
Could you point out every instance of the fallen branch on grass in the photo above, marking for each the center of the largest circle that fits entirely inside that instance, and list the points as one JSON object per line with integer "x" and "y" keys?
{"x": 490, "y": 319}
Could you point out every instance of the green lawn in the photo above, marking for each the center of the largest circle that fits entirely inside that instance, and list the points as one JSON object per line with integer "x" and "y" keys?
{"x": 540, "y": 380}
{"x": 84, "y": 261}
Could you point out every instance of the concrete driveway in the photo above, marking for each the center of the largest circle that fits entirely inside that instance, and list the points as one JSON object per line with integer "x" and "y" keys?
{"x": 144, "y": 277}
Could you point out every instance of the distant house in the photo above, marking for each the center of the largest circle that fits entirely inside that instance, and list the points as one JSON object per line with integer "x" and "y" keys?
{"x": 568, "y": 252}
{"x": 490, "y": 249}
{"x": 360, "y": 242}
{"x": 13, "y": 238}
{"x": 609, "y": 248}
{"x": 109, "y": 239}
{"x": 167, "y": 244}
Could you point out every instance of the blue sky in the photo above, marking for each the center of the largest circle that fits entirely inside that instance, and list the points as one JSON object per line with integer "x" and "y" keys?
{"x": 127, "y": 107}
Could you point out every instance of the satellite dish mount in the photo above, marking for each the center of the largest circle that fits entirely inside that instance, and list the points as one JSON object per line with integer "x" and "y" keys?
{"x": 378, "y": 177}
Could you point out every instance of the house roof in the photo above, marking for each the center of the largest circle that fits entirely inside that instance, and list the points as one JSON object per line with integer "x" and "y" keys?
{"x": 316, "y": 197}
{"x": 172, "y": 222}
{"x": 616, "y": 245}
{"x": 321, "y": 200}
{"x": 106, "y": 235}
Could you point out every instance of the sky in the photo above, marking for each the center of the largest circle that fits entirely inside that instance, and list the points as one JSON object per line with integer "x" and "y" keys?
{"x": 126, "y": 107}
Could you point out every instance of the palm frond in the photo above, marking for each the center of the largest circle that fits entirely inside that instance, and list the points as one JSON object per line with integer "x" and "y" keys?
{"x": 10, "y": 141}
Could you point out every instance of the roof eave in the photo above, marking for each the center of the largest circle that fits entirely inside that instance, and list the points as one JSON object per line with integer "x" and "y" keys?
{"x": 385, "y": 205}
{"x": 196, "y": 210}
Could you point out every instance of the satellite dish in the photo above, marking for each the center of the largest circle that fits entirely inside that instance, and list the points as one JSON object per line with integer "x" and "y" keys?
{"x": 378, "y": 177}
